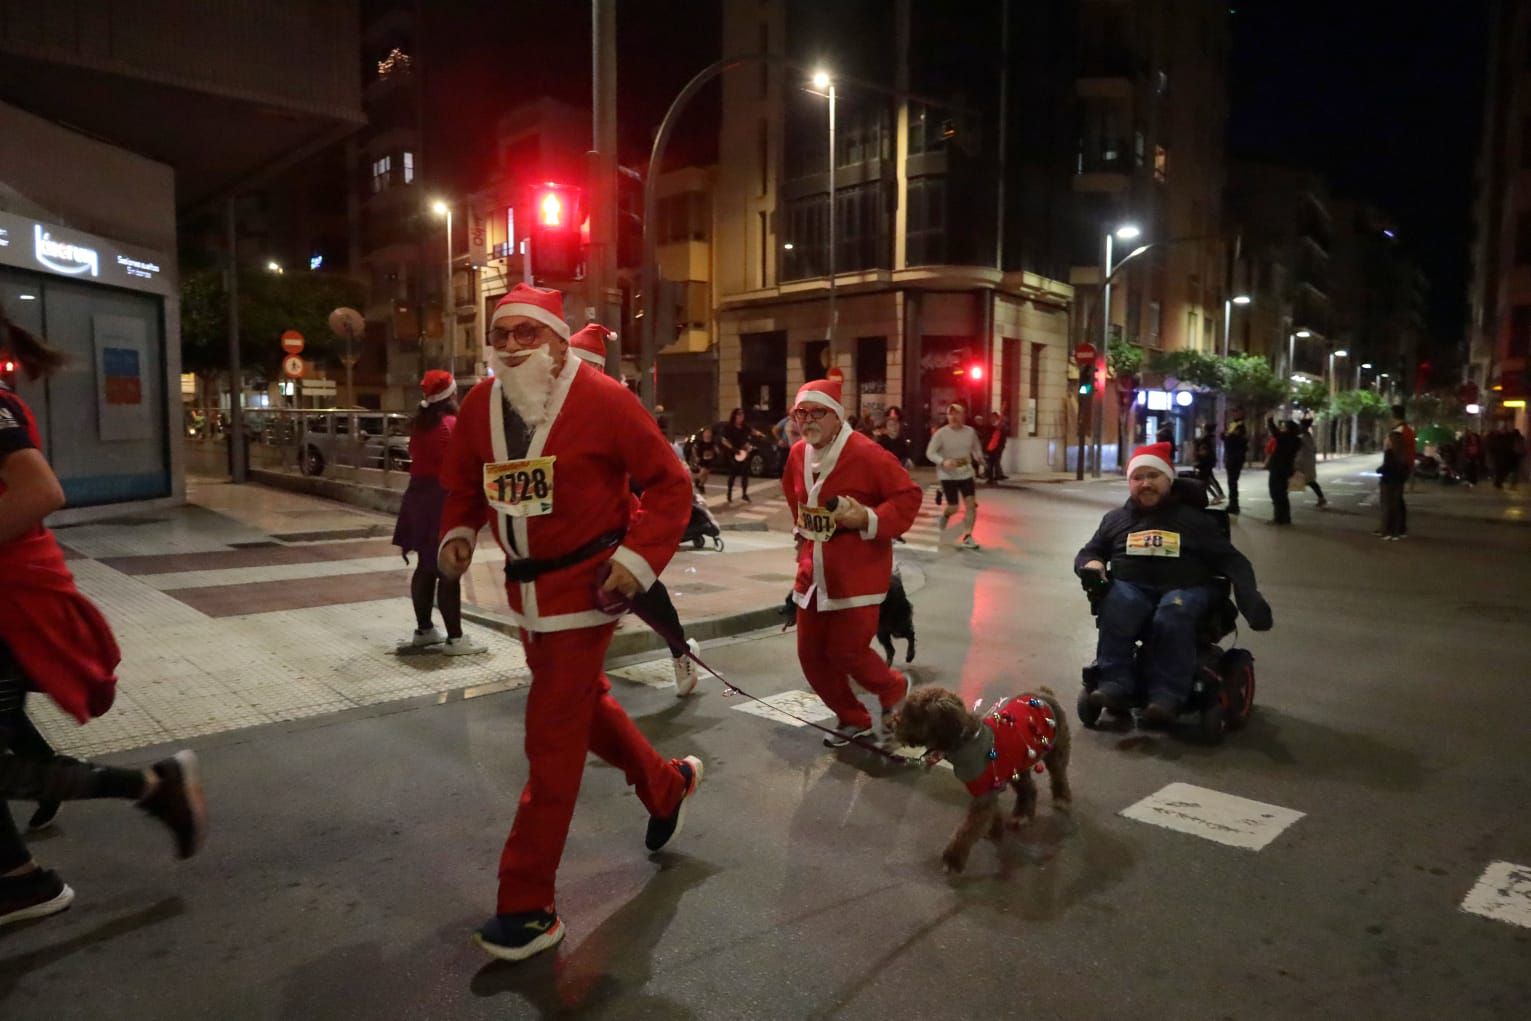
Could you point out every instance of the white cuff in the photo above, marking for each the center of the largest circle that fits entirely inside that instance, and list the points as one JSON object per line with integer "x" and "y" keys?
{"x": 460, "y": 532}
{"x": 870, "y": 531}
{"x": 639, "y": 567}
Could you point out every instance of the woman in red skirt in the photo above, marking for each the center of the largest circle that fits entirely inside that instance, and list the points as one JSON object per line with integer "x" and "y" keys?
{"x": 418, "y": 530}
{"x": 54, "y": 640}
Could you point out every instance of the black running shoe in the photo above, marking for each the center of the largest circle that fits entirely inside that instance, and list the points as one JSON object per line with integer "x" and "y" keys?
{"x": 37, "y": 894}
{"x": 47, "y": 812}
{"x": 663, "y": 829}
{"x": 177, "y": 802}
{"x": 519, "y": 936}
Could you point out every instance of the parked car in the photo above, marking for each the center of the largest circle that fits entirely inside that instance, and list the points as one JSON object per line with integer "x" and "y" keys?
{"x": 327, "y": 440}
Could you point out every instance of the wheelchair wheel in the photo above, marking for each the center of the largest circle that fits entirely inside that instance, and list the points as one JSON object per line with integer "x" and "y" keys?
{"x": 1211, "y": 724}
{"x": 1237, "y": 670}
{"x": 1089, "y": 712}
{"x": 717, "y": 543}
{"x": 698, "y": 542}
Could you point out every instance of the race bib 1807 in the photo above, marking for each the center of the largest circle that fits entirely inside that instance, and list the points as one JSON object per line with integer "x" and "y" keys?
{"x": 522, "y": 489}
{"x": 1154, "y": 542}
{"x": 815, "y": 523}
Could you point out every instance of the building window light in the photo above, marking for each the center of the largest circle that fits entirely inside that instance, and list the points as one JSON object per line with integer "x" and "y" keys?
{"x": 409, "y": 167}
{"x": 397, "y": 62}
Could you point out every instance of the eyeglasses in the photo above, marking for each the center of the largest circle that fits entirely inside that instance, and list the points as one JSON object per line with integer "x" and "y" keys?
{"x": 804, "y": 414}
{"x": 522, "y": 334}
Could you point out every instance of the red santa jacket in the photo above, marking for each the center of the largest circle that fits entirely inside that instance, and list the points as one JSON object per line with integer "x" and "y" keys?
{"x": 851, "y": 568}
{"x": 60, "y": 640}
{"x": 1023, "y": 729}
{"x": 598, "y": 435}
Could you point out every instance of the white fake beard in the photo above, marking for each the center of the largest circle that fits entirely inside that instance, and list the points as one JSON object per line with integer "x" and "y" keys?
{"x": 527, "y": 385}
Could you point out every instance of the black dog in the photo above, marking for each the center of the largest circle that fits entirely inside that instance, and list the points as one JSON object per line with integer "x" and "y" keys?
{"x": 895, "y": 619}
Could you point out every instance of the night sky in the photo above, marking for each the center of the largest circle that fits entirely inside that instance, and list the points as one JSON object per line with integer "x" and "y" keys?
{"x": 1385, "y": 101}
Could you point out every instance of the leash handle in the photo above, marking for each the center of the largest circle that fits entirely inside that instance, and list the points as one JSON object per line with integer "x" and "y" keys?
{"x": 607, "y": 601}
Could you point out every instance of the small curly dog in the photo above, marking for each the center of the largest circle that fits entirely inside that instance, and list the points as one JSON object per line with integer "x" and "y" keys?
{"x": 990, "y": 752}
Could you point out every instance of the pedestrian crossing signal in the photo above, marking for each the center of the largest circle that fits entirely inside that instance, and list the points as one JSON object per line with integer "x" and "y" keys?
{"x": 1086, "y": 378}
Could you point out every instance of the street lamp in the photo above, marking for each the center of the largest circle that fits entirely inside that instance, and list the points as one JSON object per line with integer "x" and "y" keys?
{"x": 440, "y": 208}
{"x": 1222, "y": 395}
{"x": 1126, "y": 232}
{"x": 824, "y": 85}
{"x": 1291, "y": 362}
{"x": 1355, "y": 416}
{"x": 272, "y": 266}
{"x": 1333, "y": 389}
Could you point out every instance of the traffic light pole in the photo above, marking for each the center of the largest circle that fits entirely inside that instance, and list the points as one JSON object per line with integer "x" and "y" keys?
{"x": 602, "y": 276}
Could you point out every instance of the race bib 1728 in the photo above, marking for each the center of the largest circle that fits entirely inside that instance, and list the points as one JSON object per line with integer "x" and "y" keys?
{"x": 522, "y": 489}
{"x": 815, "y": 523}
{"x": 1155, "y": 542}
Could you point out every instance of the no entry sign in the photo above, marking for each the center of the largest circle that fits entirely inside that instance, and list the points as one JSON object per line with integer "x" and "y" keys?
{"x": 292, "y": 342}
{"x": 1084, "y": 353}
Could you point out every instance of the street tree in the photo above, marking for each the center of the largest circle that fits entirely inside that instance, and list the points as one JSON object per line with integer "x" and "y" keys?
{"x": 269, "y": 303}
{"x": 1251, "y": 384}
{"x": 1124, "y": 359}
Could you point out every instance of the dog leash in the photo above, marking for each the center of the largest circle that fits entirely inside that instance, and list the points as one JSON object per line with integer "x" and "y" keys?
{"x": 609, "y": 605}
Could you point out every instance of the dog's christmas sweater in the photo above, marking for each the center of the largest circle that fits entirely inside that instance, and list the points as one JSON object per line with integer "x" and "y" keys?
{"x": 1015, "y": 736}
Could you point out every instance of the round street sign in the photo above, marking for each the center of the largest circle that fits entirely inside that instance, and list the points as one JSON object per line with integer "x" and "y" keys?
{"x": 292, "y": 365}
{"x": 1084, "y": 353}
{"x": 835, "y": 374}
{"x": 292, "y": 342}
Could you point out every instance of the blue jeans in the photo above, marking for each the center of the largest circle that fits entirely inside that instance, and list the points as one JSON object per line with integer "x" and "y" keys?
{"x": 1169, "y": 649}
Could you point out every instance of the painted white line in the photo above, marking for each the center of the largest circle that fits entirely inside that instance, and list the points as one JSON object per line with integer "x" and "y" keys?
{"x": 655, "y": 673}
{"x": 799, "y": 703}
{"x": 1502, "y": 893}
{"x": 1224, "y": 818}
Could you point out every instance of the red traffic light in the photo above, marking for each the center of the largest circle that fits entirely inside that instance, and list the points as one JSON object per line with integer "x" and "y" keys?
{"x": 975, "y": 372}
{"x": 7, "y": 367}
{"x": 550, "y": 208}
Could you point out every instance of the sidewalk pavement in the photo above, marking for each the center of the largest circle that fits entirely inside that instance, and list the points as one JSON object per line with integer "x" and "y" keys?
{"x": 252, "y": 605}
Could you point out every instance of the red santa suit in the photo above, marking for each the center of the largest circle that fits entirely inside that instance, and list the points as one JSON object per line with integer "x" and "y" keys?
{"x": 559, "y": 510}
{"x": 62, "y": 643}
{"x": 843, "y": 576}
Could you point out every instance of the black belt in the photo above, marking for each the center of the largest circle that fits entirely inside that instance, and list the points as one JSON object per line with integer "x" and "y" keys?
{"x": 530, "y": 570}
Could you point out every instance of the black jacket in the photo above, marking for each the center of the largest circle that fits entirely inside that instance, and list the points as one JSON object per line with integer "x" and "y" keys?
{"x": 1204, "y": 553}
{"x": 1235, "y": 444}
{"x": 1283, "y": 460}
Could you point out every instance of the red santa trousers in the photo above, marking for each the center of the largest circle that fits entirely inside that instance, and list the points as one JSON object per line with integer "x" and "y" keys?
{"x": 834, "y": 647}
{"x": 569, "y": 713}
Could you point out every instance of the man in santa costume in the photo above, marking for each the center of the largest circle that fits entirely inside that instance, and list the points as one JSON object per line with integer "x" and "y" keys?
{"x": 542, "y": 453}
{"x": 849, "y": 498}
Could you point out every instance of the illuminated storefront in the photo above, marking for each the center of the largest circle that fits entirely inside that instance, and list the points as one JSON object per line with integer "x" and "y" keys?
{"x": 106, "y": 416}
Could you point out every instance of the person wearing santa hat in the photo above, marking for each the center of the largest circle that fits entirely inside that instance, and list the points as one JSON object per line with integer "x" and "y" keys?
{"x": 542, "y": 454}
{"x": 850, "y": 499}
{"x": 589, "y": 343}
{"x": 418, "y": 529}
{"x": 1164, "y": 555}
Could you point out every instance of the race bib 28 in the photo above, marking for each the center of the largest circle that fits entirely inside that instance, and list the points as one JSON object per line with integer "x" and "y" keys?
{"x": 1155, "y": 542}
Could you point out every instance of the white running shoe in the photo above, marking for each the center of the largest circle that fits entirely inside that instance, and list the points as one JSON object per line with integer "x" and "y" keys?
{"x": 422, "y": 639}
{"x": 967, "y": 542}
{"x": 685, "y": 670}
{"x": 463, "y": 646}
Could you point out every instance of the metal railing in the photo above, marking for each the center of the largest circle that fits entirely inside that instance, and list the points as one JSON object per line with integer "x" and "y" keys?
{"x": 363, "y": 447}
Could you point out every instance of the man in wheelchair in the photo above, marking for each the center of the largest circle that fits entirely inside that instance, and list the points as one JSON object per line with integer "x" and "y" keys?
{"x": 1166, "y": 556}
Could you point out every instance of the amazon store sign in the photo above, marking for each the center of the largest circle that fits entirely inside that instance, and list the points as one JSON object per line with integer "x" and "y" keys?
{"x": 62, "y": 251}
